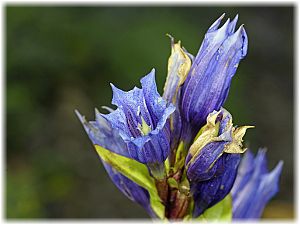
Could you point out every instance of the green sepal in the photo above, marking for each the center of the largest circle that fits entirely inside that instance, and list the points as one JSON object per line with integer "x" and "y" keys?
{"x": 180, "y": 157}
{"x": 221, "y": 212}
{"x": 136, "y": 172}
{"x": 173, "y": 183}
{"x": 167, "y": 166}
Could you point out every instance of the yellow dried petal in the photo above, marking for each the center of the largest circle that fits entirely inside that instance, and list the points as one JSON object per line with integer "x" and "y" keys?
{"x": 236, "y": 146}
{"x": 207, "y": 134}
{"x": 179, "y": 65}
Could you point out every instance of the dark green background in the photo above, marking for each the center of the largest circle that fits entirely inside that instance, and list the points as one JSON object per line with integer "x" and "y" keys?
{"x": 62, "y": 58}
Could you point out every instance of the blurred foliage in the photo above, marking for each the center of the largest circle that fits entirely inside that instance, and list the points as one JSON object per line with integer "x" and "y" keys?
{"x": 62, "y": 58}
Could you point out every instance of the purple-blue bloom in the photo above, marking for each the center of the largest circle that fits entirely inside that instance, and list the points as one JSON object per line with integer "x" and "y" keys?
{"x": 141, "y": 121}
{"x": 254, "y": 186}
{"x": 207, "y": 84}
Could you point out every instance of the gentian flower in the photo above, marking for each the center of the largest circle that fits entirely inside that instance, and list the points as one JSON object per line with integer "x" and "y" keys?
{"x": 179, "y": 155}
{"x": 217, "y": 138}
{"x": 207, "y": 84}
{"x": 141, "y": 121}
{"x": 213, "y": 159}
{"x": 254, "y": 186}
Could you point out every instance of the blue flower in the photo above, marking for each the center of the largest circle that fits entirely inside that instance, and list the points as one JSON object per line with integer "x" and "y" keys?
{"x": 141, "y": 122}
{"x": 207, "y": 84}
{"x": 217, "y": 138}
{"x": 254, "y": 186}
{"x": 101, "y": 133}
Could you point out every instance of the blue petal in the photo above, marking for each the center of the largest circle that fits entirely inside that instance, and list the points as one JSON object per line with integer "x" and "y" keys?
{"x": 118, "y": 121}
{"x": 233, "y": 24}
{"x": 208, "y": 193}
{"x": 201, "y": 169}
{"x": 216, "y": 24}
{"x": 244, "y": 173}
{"x": 250, "y": 197}
{"x": 212, "y": 41}
{"x": 128, "y": 105}
{"x": 177, "y": 125}
{"x": 155, "y": 103}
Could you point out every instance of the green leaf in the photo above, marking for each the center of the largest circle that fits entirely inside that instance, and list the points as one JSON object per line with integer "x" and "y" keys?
{"x": 221, "y": 212}
{"x": 180, "y": 157}
{"x": 136, "y": 172}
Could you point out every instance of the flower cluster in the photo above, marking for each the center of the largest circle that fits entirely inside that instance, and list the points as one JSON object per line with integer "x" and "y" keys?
{"x": 179, "y": 155}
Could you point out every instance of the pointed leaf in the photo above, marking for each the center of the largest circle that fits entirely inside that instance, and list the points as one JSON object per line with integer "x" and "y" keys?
{"x": 136, "y": 172}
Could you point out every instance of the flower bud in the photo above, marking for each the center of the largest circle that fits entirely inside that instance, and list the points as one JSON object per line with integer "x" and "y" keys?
{"x": 208, "y": 82}
{"x": 217, "y": 137}
{"x": 179, "y": 64}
